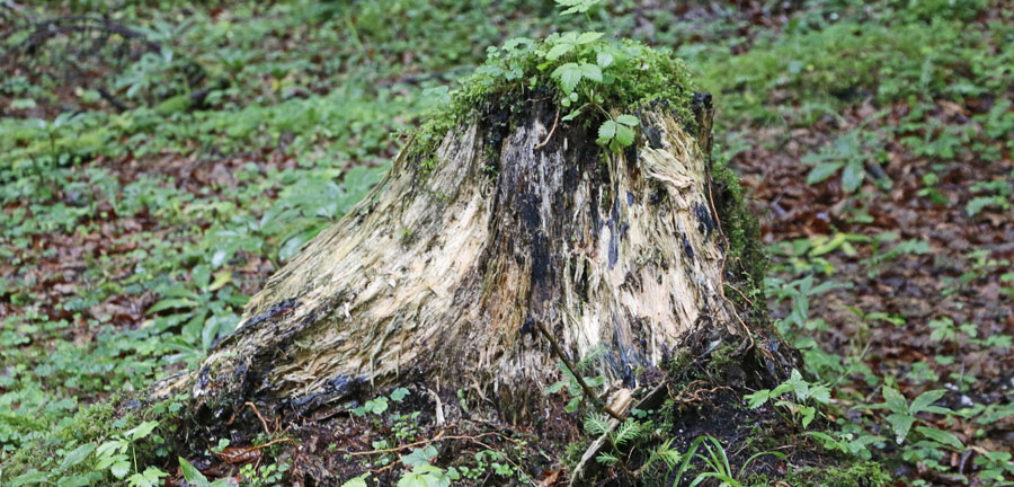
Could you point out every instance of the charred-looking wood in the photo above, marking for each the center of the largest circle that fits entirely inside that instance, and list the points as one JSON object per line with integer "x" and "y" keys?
{"x": 612, "y": 253}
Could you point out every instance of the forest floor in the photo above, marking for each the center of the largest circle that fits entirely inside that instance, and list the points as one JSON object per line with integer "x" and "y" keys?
{"x": 158, "y": 164}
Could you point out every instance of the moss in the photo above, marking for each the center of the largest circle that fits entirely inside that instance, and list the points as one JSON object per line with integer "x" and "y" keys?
{"x": 862, "y": 474}
{"x": 632, "y": 76}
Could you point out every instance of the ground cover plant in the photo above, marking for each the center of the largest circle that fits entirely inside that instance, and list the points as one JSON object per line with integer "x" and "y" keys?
{"x": 153, "y": 181}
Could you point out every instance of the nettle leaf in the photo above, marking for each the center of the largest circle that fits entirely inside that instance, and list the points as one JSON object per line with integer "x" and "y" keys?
{"x": 568, "y": 75}
{"x": 576, "y": 6}
{"x": 604, "y": 59}
{"x": 592, "y": 72}
{"x": 557, "y": 51}
{"x": 588, "y": 37}
{"x": 120, "y": 469}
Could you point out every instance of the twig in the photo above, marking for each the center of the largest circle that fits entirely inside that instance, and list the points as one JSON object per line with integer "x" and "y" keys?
{"x": 574, "y": 372}
{"x": 544, "y": 142}
{"x": 587, "y": 459}
{"x": 440, "y": 437}
{"x": 251, "y": 405}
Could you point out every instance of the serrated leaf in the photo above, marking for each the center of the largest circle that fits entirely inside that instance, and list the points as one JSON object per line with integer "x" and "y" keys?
{"x": 606, "y": 132}
{"x": 628, "y": 120}
{"x": 821, "y": 394}
{"x": 624, "y": 135}
{"x": 758, "y": 398}
{"x": 557, "y": 51}
{"x": 568, "y": 75}
{"x": 591, "y": 71}
{"x": 120, "y": 469}
{"x": 941, "y": 436}
{"x": 588, "y": 37}
{"x": 823, "y": 171}
{"x": 604, "y": 59}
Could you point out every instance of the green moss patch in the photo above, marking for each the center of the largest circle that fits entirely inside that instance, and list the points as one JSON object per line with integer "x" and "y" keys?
{"x": 587, "y": 75}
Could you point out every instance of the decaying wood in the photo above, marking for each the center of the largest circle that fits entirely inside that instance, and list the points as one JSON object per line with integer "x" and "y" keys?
{"x": 442, "y": 274}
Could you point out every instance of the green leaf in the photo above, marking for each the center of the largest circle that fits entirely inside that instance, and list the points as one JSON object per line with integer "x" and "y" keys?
{"x": 557, "y": 51}
{"x": 171, "y": 304}
{"x": 604, "y": 59}
{"x": 592, "y": 72}
{"x": 191, "y": 473}
{"x": 120, "y": 469}
{"x": 398, "y": 394}
{"x": 568, "y": 75}
{"x": 901, "y": 423}
{"x": 377, "y": 405}
{"x": 419, "y": 456}
{"x": 142, "y": 430}
{"x": 921, "y": 403}
{"x": 624, "y": 135}
{"x": 894, "y": 400}
{"x": 29, "y": 478}
{"x": 149, "y": 478}
{"x": 77, "y": 456}
{"x": 823, "y": 171}
{"x": 941, "y": 436}
{"x": 852, "y": 177}
{"x": 596, "y": 424}
{"x": 758, "y": 398}
{"x": 588, "y": 37}
{"x": 628, "y": 120}
{"x": 359, "y": 481}
{"x": 606, "y": 132}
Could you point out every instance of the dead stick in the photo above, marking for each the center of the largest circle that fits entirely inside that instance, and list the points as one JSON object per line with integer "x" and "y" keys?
{"x": 544, "y": 142}
{"x": 573, "y": 371}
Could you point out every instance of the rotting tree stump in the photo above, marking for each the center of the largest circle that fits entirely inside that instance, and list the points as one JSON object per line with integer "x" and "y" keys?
{"x": 518, "y": 244}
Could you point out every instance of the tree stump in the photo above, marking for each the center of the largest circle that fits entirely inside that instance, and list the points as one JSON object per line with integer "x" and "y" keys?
{"x": 483, "y": 261}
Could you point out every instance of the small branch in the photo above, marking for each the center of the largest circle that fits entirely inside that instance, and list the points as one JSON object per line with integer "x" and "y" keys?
{"x": 113, "y": 100}
{"x": 544, "y": 142}
{"x": 440, "y": 437}
{"x": 573, "y": 371}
